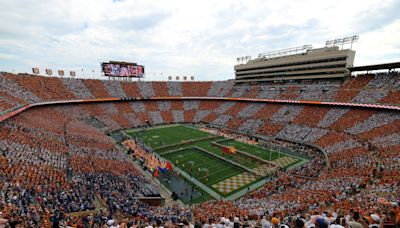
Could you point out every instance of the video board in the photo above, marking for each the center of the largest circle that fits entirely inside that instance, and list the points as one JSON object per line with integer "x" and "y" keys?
{"x": 122, "y": 69}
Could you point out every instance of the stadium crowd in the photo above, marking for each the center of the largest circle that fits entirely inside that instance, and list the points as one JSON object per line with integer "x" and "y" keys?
{"x": 370, "y": 88}
{"x": 59, "y": 168}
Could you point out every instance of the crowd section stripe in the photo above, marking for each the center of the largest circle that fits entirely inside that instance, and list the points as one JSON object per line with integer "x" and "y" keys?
{"x": 12, "y": 113}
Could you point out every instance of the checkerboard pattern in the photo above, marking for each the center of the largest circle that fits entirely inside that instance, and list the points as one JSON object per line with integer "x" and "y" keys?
{"x": 265, "y": 169}
{"x": 285, "y": 161}
{"x": 228, "y": 185}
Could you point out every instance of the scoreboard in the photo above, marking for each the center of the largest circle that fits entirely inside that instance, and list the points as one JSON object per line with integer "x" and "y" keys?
{"x": 122, "y": 69}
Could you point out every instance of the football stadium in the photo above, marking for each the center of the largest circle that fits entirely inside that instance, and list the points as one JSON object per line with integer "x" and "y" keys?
{"x": 295, "y": 137}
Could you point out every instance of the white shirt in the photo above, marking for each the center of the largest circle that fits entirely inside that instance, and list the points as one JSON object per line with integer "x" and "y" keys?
{"x": 265, "y": 223}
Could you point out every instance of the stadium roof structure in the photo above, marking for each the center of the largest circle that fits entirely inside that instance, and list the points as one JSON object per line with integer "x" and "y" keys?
{"x": 384, "y": 66}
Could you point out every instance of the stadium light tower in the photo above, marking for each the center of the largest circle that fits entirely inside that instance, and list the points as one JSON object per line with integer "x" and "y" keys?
{"x": 340, "y": 42}
{"x": 351, "y": 40}
{"x": 243, "y": 59}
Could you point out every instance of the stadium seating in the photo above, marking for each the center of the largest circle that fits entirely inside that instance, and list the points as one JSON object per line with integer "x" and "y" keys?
{"x": 130, "y": 89}
{"x": 369, "y": 88}
{"x": 78, "y": 88}
{"x": 160, "y": 90}
{"x": 57, "y": 159}
{"x": 114, "y": 89}
{"x": 392, "y": 98}
{"x": 146, "y": 89}
{"x": 97, "y": 88}
{"x": 349, "y": 89}
{"x": 175, "y": 89}
{"x": 196, "y": 89}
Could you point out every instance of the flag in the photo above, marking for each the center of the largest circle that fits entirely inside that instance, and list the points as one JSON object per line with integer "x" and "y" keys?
{"x": 168, "y": 165}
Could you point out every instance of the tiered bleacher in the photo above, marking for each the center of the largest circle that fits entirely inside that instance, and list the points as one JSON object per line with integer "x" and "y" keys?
{"x": 57, "y": 159}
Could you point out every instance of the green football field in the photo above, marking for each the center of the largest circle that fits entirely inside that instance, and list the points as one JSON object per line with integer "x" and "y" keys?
{"x": 200, "y": 155}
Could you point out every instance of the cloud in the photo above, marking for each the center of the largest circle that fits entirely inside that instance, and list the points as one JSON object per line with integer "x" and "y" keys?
{"x": 377, "y": 17}
{"x": 379, "y": 46}
{"x": 135, "y": 23}
{"x": 177, "y": 37}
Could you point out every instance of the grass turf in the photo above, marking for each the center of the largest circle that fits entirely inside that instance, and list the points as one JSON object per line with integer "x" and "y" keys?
{"x": 218, "y": 170}
{"x": 252, "y": 149}
{"x": 157, "y": 137}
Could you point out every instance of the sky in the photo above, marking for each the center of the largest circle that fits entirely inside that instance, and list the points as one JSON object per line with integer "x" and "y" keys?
{"x": 185, "y": 37}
